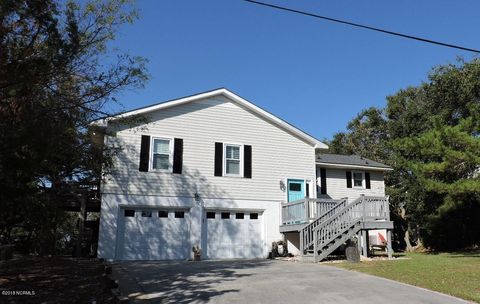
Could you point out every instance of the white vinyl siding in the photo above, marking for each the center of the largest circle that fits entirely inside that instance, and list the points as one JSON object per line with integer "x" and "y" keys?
{"x": 337, "y": 184}
{"x": 276, "y": 154}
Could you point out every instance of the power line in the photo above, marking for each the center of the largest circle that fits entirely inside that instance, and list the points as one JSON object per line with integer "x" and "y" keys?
{"x": 363, "y": 26}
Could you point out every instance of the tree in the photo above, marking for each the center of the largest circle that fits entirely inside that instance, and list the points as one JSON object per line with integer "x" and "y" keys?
{"x": 445, "y": 162}
{"x": 430, "y": 136}
{"x": 57, "y": 74}
{"x": 366, "y": 134}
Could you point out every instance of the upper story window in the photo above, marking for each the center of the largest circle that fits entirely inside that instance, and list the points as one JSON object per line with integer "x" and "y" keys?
{"x": 161, "y": 154}
{"x": 358, "y": 178}
{"x": 232, "y": 160}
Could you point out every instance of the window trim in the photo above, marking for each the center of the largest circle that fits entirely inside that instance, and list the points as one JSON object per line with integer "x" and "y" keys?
{"x": 318, "y": 178}
{"x": 363, "y": 180}
{"x": 290, "y": 184}
{"x": 170, "y": 153}
{"x": 240, "y": 164}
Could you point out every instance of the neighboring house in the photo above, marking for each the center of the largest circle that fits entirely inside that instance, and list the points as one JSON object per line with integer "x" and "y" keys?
{"x": 215, "y": 171}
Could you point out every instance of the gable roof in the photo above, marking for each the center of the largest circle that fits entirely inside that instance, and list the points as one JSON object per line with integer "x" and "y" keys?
{"x": 275, "y": 120}
{"x": 350, "y": 161}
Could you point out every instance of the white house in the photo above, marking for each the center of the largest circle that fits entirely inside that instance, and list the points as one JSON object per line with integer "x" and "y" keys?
{"x": 214, "y": 170}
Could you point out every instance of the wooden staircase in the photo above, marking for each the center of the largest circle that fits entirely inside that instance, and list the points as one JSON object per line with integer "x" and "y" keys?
{"x": 342, "y": 221}
{"x": 306, "y": 234}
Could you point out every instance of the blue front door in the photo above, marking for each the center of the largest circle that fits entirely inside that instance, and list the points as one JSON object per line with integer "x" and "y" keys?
{"x": 295, "y": 189}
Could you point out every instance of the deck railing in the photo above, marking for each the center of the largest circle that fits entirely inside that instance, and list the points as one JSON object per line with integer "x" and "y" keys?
{"x": 365, "y": 208}
{"x": 314, "y": 213}
{"x": 306, "y": 234}
{"x": 305, "y": 210}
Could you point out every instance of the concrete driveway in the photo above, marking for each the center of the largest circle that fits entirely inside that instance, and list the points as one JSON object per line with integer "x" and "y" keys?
{"x": 261, "y": 281}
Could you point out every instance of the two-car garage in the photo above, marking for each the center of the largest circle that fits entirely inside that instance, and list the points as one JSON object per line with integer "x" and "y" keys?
{"x": 164, "y": 234}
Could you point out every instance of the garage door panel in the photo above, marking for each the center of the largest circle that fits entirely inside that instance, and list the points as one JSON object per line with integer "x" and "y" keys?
{"x": 253, "y": 231}
{"x": 154, "y": 237}
{"x": 233, "y": 238}
{"x": 229, "y": 232}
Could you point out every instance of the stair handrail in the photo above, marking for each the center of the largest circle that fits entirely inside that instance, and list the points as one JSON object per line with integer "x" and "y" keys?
{"x": 328, "y": 236}
{"x": 360, "y": 215}
{"x": 339, "y": 212}
{"x": 341, "y": 202}
{"x": 306, "y": 237}
{"x": 367, "y": 207}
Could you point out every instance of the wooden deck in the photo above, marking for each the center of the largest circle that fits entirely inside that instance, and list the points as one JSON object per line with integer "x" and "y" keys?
{"x": 325, "y": 224}
{"x": 305, "y": 210}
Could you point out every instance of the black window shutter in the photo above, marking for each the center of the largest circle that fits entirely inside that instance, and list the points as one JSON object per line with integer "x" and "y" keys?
{"x": 177, "y": 155}
{"x": 349, "y": 179}
{"x": 247, "y": 161}
{"x": 218, "y": 159}
{"x": 144, "y": 153}
{"x": 307, "y": 192}
{"x": 367, "y": 180}
{"x": 323, "y": 181}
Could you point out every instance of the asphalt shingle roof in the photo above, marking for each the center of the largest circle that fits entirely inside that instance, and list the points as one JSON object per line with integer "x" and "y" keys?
{"x": 349, "y": 160}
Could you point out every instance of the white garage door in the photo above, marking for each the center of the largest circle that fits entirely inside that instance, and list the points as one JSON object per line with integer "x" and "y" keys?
{"x": 152, "y": 234}
{"x": 233, "y": 235}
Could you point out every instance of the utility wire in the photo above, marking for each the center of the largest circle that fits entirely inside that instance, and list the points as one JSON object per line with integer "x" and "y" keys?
{"x": 363, "y": 26}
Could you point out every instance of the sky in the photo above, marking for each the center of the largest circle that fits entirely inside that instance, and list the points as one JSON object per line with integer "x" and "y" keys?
{"x": 315, "y": 74}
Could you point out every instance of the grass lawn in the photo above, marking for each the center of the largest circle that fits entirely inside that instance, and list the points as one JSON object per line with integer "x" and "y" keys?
{"x": 456, "y": 274}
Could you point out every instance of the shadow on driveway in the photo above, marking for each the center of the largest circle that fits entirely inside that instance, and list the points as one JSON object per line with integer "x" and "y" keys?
{"x": 182, "y": 281}
{"x": 262, "y": 281}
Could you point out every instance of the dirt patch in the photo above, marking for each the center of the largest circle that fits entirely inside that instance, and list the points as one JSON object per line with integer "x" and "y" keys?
{"x": 53, "y": 280}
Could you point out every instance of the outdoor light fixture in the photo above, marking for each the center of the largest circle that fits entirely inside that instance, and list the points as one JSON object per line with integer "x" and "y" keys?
{"x": 282, "y": 185}
{"x": 196, "y": 196}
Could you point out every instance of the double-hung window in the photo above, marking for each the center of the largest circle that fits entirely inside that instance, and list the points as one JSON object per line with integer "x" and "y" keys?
{"x": 358, "y": 179}
{"x": 161, "y": 154}
{"x": 232, "y": 160}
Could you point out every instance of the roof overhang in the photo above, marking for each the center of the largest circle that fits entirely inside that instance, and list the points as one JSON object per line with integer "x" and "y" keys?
{"x": 233, "y": 97}
{"x": 347, "y": 166}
